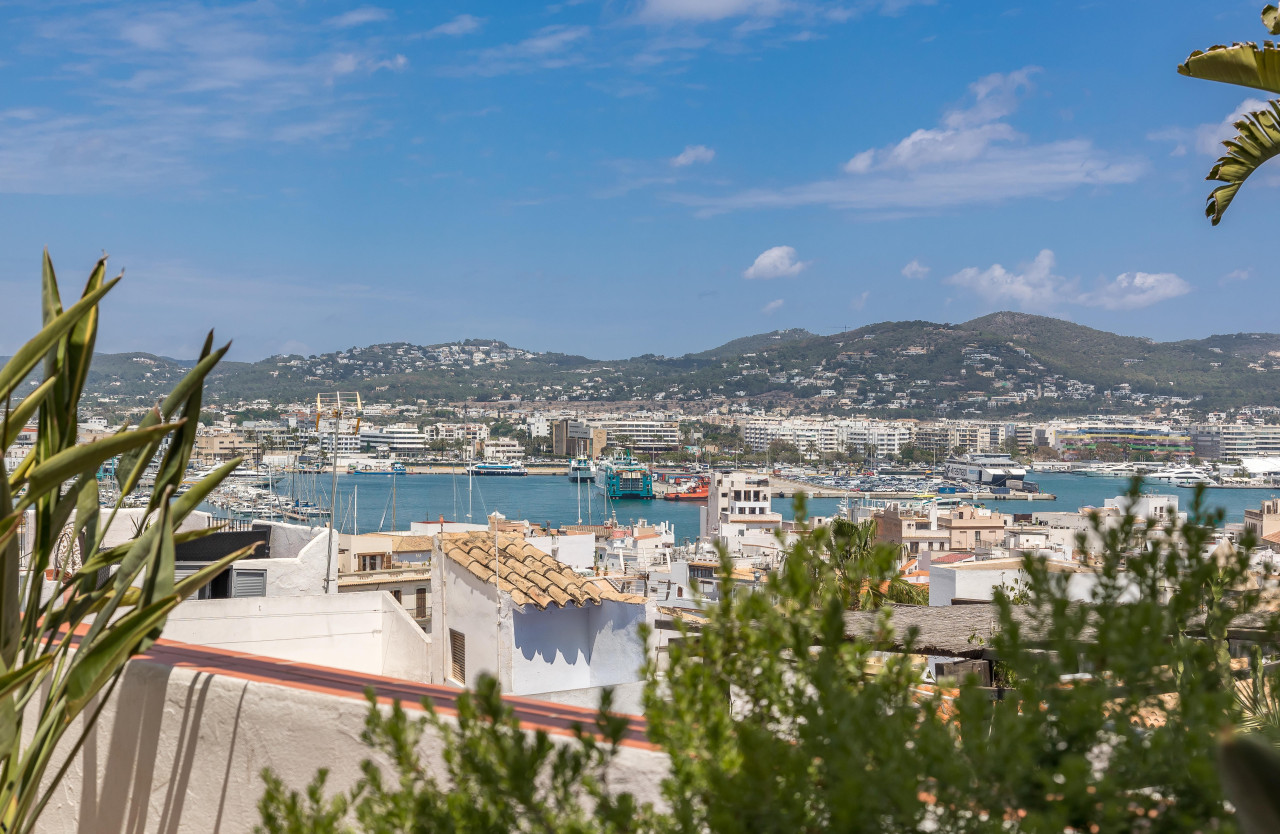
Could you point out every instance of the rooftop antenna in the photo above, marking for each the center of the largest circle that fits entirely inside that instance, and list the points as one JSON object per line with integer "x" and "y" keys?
{"x": 336, "y": 406}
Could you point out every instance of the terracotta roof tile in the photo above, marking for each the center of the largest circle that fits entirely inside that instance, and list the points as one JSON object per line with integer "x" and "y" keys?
{"x": 526, "y": 573}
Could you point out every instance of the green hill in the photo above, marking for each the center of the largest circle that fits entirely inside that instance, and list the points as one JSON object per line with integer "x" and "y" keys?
{"x": 997, "y": 364}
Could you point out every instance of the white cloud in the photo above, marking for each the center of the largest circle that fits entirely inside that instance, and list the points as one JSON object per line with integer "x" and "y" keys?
{"x": 778, "y": 262}
{"x": 706, "y": 11}
{"x": 971, "y": 157}
{"x": 1035, "y": 286}
{"x": 693, "y": 154}
{"x": 1207, "y": 138}
{"x": 463, "y": 24}
{"x": 915, "y": 269}
{"x": 551, "y": 47}
{"x": 861, "y": 301}
{"x": 162, "y": 89}
{"x": 861, "y": 162}
{"x": 1134, "y": 290}
{"x": 772, "y": 306}
{"x": 668, "y": 11}
{"x": 1235, "y": 275}
{"x": 359, "y": 17}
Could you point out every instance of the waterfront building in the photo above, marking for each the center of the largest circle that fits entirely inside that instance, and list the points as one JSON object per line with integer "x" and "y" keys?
{"x": 503, "y": 449}
{"x": 1235, "y": 441}
{"x": 640, "y": 433}
{"x": 577, "y": 438}
{"x": 739, "y": 514}
{"x": 397, "y": 438}
{"x": 1080, "y": 441}
{"x": 213, "y": 444}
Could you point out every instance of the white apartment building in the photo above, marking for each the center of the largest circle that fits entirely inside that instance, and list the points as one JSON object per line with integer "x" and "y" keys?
{"x": 402, "y": 438}
{"x": 887, "y": 438}
{"x": 645, "y": 434}
{"x": 1233, "y": 441}
{"x": 503, "y": 449}
{"x": 825, "y": 437}
{"x": 473, "y": 432}
{"x": 739, "y": 514}
{"x": 810, "y": 436}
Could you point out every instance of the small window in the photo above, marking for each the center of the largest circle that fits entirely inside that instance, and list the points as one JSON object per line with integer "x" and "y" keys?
{"x": 458, "y": 657}
{"x": 421, "y": 603}
{"x": 395, "y": 594}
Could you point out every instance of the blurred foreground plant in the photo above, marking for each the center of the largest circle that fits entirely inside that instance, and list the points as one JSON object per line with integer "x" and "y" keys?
{"x": 73, "y": 612}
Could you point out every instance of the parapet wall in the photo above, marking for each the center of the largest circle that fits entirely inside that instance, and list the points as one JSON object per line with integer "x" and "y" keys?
{"x": 182, "y": 743}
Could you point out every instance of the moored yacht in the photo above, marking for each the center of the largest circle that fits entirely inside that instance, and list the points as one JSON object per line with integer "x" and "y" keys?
{"x": 582, "y": 469}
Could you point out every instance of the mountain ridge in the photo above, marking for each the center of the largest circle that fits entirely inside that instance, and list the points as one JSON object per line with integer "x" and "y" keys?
{"x": 1003, "y": 361}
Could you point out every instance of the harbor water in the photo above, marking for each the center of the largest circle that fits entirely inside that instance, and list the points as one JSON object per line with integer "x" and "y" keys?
{"x": 555, "y": 500}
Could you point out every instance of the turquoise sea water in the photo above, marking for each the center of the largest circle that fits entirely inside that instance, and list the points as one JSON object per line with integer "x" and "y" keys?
{"x": 542, "y": 499}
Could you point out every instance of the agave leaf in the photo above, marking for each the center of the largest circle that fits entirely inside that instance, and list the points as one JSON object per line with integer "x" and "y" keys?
{"x": 1257, "y": 142}
{"x": 70, "y": 462}
{"x": 1245, "y": 64}
{"x": 159, "y": 580}
{"x": 10, "y": 682}
{"x": 81, "y": 339}
{"x": 111, "y": 556}
{"x": 178, "y": 455}
{"x": 22, "y": 362}
{"x": 185, "y": 503}
{"x": 134, "y": 463}
{"x": 95, "y": 665}
{"x": 194, "y": 378}
{"x": 200, "y": 578}
{"x": 23, "y": 412}
{"x": 1250, "y": 772}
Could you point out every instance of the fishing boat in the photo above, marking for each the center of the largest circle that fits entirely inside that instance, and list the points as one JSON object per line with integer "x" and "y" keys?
{"x": 490, "y": 468}
{"x": 582, "y": 469}
{"x": 691, "y": 489}
{"x": 624, "y": 477}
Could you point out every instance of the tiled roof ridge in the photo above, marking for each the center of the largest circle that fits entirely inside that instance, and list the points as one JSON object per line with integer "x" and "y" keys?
{"x": 525, "y": 572}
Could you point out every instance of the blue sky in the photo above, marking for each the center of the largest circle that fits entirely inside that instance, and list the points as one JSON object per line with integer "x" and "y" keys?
{"x": 614, "y": 178}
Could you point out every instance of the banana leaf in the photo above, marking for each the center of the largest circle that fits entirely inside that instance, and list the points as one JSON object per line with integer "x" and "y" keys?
{"x": 1257, "y": 142}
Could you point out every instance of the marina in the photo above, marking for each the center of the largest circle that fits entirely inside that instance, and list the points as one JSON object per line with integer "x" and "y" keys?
{"x": 555, "y": 501}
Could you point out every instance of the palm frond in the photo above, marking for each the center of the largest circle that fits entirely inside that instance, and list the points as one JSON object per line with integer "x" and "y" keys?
{"x": 1257, "y": 142}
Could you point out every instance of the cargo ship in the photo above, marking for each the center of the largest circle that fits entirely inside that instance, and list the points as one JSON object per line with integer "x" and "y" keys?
{"x": 624, "y": 477}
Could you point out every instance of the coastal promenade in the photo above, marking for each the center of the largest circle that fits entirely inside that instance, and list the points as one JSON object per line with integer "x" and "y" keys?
{"x": 782, "y": 488}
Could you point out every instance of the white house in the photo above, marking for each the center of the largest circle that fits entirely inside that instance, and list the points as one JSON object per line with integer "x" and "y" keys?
{"x": 739, "y": 514}
{"x": 544, "y": 630}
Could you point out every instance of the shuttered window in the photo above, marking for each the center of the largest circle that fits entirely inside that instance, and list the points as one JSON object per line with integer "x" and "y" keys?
{"x": 249, "y": 583}
{"x": 458, "y": 657}
{"x": 421, "y": 601}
